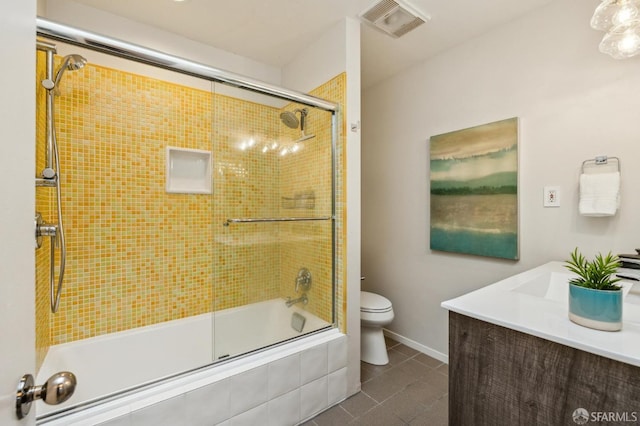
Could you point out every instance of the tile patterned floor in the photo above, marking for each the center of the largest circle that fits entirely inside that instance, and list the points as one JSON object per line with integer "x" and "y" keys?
{"x": 410, "y": 390}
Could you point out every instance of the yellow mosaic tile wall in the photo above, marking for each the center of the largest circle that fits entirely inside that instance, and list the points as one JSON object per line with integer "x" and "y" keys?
{"x": 138, "y": 255}
{"x": 45, "y": 203}
{"x": 245, "y": 186}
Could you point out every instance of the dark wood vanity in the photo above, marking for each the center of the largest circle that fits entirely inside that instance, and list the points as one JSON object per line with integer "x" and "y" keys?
{"x": 499, "y": 376}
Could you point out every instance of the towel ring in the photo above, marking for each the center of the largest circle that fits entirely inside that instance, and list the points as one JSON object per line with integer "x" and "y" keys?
{"x": 599, "y": 161}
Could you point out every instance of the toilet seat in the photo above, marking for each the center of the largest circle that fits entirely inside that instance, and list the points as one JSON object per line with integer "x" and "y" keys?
{"x": 374, "y": 303}
{"x": 376, "y": 312}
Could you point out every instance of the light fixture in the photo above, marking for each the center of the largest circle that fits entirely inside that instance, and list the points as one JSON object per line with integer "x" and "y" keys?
{"x": 622, "y": 41}
{"x": 611, "y": 13}
{"x": 620, "y": 20}
{"x": 394, "y": 17}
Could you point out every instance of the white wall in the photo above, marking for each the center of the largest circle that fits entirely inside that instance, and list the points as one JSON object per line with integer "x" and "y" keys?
{"x": 353, "y": 192}
{"x": 573, "y": 102}
{"x": 17, "y": 203}
{"x": 318, "y": 62}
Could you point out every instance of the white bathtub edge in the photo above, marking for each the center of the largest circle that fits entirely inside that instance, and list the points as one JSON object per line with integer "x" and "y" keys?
{"x": 127, "y": 404}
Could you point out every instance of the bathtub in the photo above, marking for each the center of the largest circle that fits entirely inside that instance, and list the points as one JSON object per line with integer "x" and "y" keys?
{"x": 110, "y": 365}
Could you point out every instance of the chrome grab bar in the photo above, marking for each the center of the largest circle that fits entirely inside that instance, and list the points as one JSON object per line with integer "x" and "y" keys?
{"x": 276, "y": 219}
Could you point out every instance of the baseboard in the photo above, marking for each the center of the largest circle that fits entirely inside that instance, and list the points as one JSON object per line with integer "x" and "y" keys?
{"x": 417, "y": 346}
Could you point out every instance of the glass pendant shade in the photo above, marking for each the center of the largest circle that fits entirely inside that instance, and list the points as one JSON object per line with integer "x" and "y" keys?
{"x": 623, "y": 41}
{"x": 611, "y": 13}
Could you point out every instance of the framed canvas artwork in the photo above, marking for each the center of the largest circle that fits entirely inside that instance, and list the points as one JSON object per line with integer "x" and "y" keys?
{"x": 474, "y": 190}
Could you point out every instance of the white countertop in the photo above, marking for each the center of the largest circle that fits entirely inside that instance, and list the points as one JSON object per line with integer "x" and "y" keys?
{"x": 536, "y": 302}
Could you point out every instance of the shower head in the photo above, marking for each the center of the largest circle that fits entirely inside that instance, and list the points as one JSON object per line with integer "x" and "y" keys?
{"x": 289, "y": 119}
{"x": 71, "y": 63}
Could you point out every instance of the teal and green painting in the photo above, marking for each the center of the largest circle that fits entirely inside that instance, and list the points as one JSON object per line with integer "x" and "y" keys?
{"x": 474, "y": 190}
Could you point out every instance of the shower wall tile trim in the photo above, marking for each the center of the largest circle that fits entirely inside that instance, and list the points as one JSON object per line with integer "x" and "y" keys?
{"x": 211, "y": 403}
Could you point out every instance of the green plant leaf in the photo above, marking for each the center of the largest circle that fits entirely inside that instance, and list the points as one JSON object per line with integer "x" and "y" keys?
{"x": 596, "y": 274}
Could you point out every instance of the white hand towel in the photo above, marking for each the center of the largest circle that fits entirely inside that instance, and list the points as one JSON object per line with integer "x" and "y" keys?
{"x": 599, "y": 194}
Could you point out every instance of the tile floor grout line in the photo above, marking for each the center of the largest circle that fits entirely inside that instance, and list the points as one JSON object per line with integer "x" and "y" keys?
{"x": 424, "y": 408}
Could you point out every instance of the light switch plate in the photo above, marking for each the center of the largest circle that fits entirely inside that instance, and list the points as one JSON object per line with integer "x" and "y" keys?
{"x": 551, "y": 196}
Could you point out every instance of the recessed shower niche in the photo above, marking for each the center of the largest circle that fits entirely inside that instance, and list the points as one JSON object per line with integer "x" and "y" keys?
{"x": 188, "y": 171}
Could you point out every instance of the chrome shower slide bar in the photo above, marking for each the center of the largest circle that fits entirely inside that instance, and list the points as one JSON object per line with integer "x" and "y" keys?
{"x": 45, "y": 46}
{"x": 277, "y": 219}
{"x": 57, "y": 31}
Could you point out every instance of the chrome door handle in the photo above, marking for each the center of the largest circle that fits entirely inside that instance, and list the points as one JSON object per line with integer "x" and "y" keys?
{"x": 55, "y": 391}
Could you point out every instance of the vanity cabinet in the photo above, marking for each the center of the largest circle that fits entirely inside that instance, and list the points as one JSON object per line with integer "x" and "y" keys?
{"x": 499, "y": 376}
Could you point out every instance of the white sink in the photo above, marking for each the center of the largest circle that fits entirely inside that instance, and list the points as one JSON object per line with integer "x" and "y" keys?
{"x": 555, "y": 286}
{"x": 548, "y": 285}
{"x": 633, "y": 295}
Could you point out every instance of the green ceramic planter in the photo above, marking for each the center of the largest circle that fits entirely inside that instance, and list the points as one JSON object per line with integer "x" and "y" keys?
{"x": 598, "y": 309}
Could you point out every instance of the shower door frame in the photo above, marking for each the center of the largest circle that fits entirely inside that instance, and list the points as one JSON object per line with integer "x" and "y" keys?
{"x": 115, "y": 47}
{"x": 134, "y": 52}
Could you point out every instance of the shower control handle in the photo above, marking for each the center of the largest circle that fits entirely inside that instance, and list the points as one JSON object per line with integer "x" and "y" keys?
{"x": 54, "y": 391}
{"x": 45, "y": 229}
{"x": 303, "y": 280}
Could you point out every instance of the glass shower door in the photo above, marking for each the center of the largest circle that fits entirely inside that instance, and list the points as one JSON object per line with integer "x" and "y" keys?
{"x": 273, "y": 226}
{"x": 135, "y": 144}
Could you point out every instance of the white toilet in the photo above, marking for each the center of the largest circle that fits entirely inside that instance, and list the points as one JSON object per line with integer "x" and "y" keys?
{"x": 375, "y": 312}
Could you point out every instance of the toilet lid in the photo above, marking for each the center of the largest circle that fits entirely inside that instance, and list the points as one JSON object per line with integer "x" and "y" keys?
{"x": 371, "y": 302}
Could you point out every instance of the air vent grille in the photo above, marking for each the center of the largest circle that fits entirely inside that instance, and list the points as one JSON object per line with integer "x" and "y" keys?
{"x": 408, "y": 27}
{"x": 379, "y": 10}
{"x": 393, "y": 17}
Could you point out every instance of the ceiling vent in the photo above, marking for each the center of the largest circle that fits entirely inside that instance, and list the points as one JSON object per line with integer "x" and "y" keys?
{"x": 394, "y": 17}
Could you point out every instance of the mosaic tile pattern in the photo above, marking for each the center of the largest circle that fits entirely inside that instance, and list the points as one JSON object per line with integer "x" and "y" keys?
{"x": 138, "y": 255}
{"x": 45, "y": 203}
{"x": 245, "y": 186}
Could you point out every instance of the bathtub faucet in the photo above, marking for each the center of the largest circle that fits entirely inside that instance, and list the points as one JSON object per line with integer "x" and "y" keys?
{"x": 304, "y": 299}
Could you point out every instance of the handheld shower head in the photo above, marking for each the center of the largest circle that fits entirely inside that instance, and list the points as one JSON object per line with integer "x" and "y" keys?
{"x": 69, "y": 62}
{"x": 75, "y": 62}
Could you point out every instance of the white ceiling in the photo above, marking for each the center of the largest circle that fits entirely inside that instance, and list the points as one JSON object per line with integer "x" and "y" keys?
{"x": 275, "y": 31}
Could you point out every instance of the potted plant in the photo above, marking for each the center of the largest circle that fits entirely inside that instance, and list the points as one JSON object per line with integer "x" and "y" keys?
{"x": 595, "y": 300}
